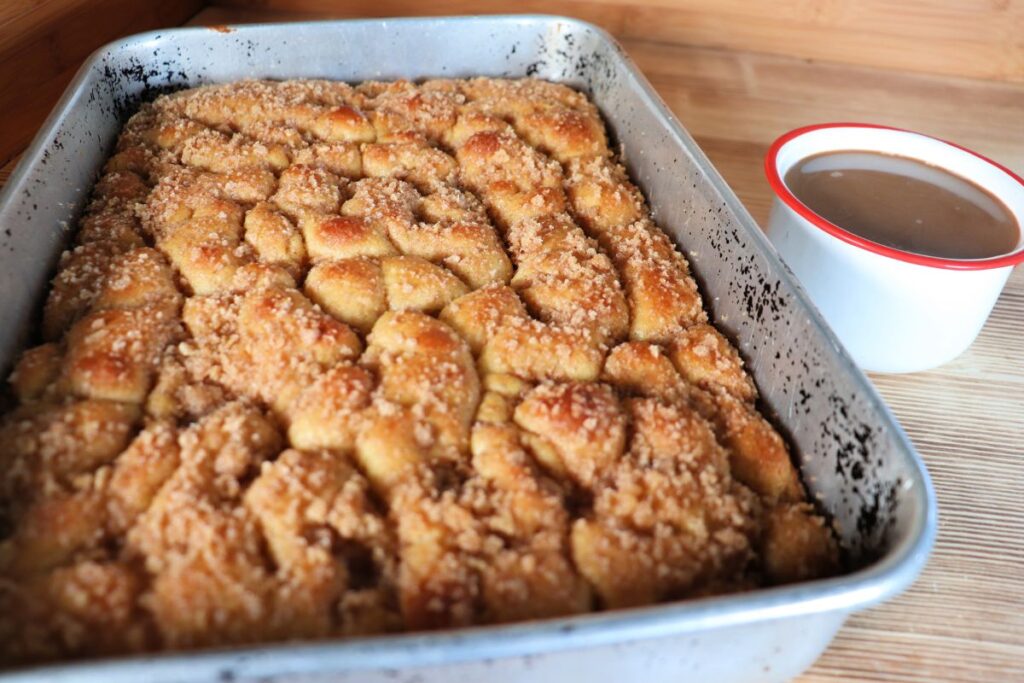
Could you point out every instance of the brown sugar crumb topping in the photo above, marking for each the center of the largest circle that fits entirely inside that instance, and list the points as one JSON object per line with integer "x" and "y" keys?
{"x": 331, "y": 360}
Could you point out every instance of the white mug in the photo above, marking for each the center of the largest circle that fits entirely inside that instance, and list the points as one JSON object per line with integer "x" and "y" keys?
{"x": 895, "y": 311}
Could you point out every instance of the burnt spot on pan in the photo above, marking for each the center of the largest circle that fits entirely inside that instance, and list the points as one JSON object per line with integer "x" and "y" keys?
{"x": 533, "y": 69}
{"x": 855, "y": 450}
{"x": 126, "y": 84}
{"x": 572, "y": 55}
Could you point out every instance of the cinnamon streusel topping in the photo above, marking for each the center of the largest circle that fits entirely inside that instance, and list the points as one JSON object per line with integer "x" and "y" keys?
{"x": 329, "y": 360}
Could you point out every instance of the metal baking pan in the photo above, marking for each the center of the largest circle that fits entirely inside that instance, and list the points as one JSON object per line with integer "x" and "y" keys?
{"x": 855, "y": 458}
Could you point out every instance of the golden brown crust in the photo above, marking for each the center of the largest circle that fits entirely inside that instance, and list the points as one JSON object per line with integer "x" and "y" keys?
{"x": 672, "y": 518}
{"x": 330, "y": 360}
{"x": 797, "y": 544}
{"x": 582, "y": 422}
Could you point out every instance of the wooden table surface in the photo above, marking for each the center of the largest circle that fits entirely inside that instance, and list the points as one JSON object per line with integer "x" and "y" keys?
{"x": 964, "y": 618}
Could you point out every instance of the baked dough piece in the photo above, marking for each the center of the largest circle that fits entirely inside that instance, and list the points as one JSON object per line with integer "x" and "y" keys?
{"x": 334, "y": 552}
{"x": 331, "y": 360}
{"x": 672, "y": 519}
{"x": 493, "y": 548}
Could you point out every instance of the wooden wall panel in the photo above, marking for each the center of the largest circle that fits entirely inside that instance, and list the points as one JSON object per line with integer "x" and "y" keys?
{"x": 43, "y": 42}
{"x": 974, "y": 38}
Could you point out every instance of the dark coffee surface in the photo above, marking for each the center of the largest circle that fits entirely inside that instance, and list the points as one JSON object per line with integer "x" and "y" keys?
{"x": 905, "y": 204}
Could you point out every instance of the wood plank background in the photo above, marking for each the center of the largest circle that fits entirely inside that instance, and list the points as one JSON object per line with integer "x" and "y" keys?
{"x": 976, "y": 38}
{"x": 738, "y": 75}
{"x": 43, "y": 42}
